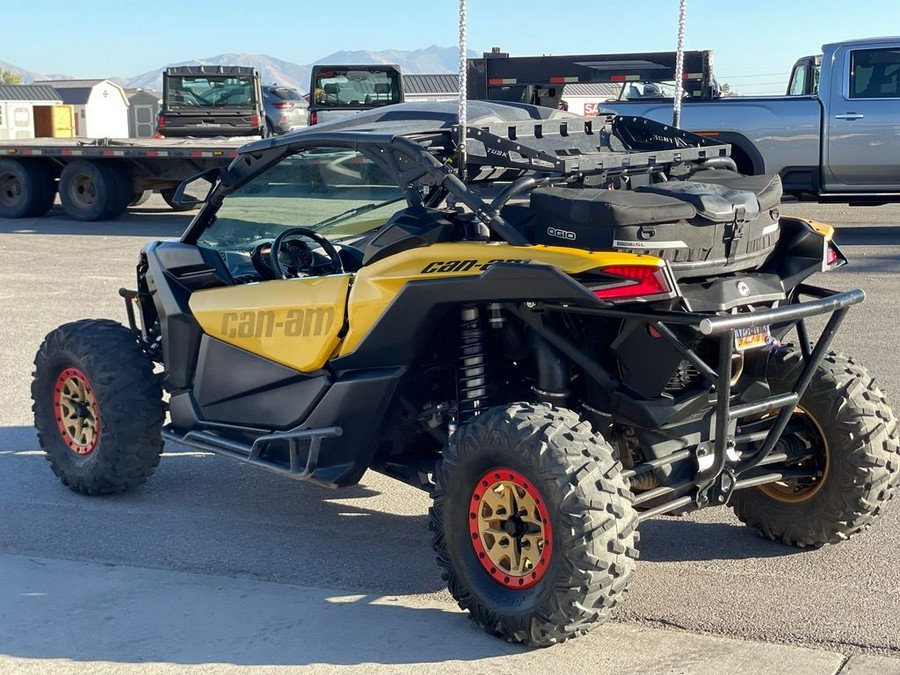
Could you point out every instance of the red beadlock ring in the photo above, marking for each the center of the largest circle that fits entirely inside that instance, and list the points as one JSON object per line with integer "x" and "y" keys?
{"x": 488, "y": 527}
{"x": 76, "y": 411}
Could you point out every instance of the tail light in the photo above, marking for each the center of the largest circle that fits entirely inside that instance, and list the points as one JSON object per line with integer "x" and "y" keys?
{"x": 833, "y": 257}
{"x": 161, "y": 121}
{"x": 284, "y": 105}
{"x": 632, "y": 282}
{"x": 313, "y": 118}
{"x": 254, "y": 121}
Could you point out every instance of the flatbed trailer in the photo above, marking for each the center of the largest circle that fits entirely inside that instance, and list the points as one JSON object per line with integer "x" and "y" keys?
{"x": 97, "y": 179}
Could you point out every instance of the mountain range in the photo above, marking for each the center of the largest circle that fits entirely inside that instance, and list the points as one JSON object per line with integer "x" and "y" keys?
{"x": 432, "y": 59}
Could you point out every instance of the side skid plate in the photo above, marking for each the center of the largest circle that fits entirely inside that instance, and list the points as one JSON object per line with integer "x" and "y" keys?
{"x": 255, "y": 454}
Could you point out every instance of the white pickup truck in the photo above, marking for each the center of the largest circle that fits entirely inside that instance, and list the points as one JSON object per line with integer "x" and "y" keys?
{"x": 835, "y": 136}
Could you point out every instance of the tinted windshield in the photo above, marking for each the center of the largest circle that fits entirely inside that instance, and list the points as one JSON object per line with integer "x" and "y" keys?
{"x": 336, "y": 88}
{"x": 339, "y": 193}
{"x": 208, "y": 91}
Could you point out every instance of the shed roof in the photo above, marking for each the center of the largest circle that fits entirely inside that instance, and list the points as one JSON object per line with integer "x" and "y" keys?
{"x": 65, "y": 84}
{"x": 28, "y": 92}
{"x": 441, "y": 83}
{"x": 75, "y": 95}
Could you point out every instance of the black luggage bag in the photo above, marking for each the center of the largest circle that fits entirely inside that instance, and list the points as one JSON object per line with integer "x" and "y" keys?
{"x": 715, "y": 222}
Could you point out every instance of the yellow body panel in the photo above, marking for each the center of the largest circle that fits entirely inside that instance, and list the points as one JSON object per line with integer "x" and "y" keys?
{"x": 294, "y": 322}
{"x": 375, "y": 285}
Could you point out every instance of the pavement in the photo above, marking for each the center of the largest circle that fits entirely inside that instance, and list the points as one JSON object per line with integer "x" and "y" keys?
{"x": 215, "y": 568}
{"x": 59, "y": 616}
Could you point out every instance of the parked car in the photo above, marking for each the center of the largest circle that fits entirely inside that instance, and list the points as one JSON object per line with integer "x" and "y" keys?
{"x": 285, "y": 108}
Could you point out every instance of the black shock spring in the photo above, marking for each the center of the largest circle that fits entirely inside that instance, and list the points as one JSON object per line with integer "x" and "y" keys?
{"x": 472, "y": 386}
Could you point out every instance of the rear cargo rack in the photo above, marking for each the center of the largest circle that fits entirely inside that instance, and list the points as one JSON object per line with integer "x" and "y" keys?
{"x": 586, "y": 145}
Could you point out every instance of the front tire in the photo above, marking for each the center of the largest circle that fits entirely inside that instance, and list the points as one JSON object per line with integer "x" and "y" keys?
{"x": 533, "y": 524}
{"x": 97, "y": 407}
{"x": 852, "y": 436}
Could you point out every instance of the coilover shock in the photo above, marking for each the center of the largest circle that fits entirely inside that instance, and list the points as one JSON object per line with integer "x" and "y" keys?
{"x": 472, "y": 387}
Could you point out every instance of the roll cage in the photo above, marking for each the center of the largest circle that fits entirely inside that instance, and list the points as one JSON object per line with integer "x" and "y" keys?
{"x": 520, "y": 154}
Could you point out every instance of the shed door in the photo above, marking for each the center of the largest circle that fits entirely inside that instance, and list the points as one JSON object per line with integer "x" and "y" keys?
{"x": 63, "y": 121}
{"x": 143, "y": 120}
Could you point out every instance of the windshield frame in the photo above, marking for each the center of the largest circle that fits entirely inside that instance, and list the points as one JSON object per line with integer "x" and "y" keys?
{"x": 233, "y": 179}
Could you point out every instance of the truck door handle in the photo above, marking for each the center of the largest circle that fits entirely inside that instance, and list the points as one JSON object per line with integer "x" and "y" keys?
{"x": 849, "y": 116}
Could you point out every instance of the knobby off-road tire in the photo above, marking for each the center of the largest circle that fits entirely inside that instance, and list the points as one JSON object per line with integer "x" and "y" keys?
{"x": 849, "y": 420}
{"x": 97, "y": 407}
{"x": 566, "y": 486}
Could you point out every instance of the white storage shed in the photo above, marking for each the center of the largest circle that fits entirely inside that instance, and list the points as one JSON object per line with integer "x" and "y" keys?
{"x": 101, "y": 107}
{"x": 17, "y": 102}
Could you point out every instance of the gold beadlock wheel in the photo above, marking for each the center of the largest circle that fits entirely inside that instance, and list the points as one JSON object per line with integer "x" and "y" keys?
{"x": 510, "y": 528}
{"x": 77, "y": 414}
{"x": 798, "y": 490}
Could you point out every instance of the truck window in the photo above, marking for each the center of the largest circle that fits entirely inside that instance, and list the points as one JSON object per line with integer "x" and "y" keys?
{"x": 335, "y": 88}
{"x": 798, "y": 81}
{"x": 208, "y": 91}
{"x": 875, "y": 73}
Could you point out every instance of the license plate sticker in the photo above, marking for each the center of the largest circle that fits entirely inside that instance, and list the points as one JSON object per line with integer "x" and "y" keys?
{"x": 751, "y": 338}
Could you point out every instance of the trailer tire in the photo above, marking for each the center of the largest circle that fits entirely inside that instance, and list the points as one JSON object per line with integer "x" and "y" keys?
{"x": 853, "y": 436}
{"x": 139, "y": 198}
{"x": 533, "y": 524}
{"x": 169, "y": 197}
{"x": 92, "y": 191}
{"x": 26, "y": 188}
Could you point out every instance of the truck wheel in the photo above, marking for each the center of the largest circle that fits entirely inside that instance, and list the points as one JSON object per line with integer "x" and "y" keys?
{"x": 169, "y": 196}
{"x": 26, "y": 189}
{"x": 533, "y": 524}
{"x": 92, "y": 191}
{"x": 138, "y": 198}
{"x": 845, "y": 422}
{"x": 97, "y": 407}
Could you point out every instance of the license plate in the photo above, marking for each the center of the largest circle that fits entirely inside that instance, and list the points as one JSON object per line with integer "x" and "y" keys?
{"x": 751, "y": 338}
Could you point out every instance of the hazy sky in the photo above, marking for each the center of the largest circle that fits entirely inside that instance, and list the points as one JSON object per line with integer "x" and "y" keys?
{"x": 755, "y": 41}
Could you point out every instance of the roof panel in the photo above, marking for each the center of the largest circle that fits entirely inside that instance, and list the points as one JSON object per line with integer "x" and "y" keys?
{"x": 440, "y": 83}
{"x": 28, "y": 92}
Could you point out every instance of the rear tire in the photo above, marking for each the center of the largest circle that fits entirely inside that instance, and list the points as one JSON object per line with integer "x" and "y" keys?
{"x": 854, "y": 435}
{"x": 571, "y": 548}
{"x": 26, "y": 189}
{"x": 97, "y": 407}
{"x": 92, "y": 191}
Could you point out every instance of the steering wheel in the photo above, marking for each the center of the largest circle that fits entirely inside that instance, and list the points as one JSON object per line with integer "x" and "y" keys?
{"x": 335, "y": 266}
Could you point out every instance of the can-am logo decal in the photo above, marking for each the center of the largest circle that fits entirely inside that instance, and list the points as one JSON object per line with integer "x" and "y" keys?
{"x": 445, "y": 266}
{"x": 308, "y": 322}
{"x": 561, "y": 234}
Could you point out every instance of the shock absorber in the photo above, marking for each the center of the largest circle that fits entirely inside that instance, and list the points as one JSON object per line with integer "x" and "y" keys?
{"x": 472, "y": 390}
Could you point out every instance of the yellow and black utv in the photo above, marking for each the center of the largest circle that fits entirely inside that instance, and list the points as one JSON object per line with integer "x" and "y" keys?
{"x": 584, "y": 328}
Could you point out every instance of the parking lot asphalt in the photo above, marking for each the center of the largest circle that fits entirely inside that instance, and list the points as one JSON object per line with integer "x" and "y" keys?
{"x": 213, "y": 567}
